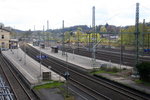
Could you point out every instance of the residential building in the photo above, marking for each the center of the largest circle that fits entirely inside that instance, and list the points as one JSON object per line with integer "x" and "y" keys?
{"x": 4, "y": 38}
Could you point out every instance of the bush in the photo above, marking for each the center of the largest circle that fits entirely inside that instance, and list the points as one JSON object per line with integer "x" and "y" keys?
{"x": 115, "y": 69}
{"x": 144, "y": 71}
{"x": 110, "y": 69}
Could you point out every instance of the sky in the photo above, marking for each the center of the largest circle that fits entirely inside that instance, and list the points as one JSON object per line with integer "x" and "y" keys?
{"x": 30, "y": 14}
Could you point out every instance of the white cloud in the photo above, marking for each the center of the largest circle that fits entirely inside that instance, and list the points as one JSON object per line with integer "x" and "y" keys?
{"x": 24, "y": 14}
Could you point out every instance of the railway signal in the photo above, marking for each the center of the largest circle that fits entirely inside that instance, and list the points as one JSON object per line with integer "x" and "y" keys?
{"x": 67, "y": 75}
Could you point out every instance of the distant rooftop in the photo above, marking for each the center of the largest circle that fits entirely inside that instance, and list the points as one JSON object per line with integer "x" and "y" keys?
{"x": 1, "y": 25}
{"x": 9, "y": 29}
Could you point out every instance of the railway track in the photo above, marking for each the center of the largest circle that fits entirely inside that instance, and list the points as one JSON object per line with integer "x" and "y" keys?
{"x": 48, "y": 63}
{"x": 127, "y": 58}
{"x": 96, "y": 87}
{"x": 19, "y": 90}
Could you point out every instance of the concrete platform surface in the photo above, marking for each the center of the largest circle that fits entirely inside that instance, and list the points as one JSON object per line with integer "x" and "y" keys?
{"x": 28, "y": 66}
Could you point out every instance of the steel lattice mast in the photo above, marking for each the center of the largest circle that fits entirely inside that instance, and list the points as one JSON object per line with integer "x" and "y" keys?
{"x": 136, "y": 38}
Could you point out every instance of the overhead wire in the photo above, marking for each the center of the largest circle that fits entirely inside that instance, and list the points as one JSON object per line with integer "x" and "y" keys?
{"x": 119, "y": 12}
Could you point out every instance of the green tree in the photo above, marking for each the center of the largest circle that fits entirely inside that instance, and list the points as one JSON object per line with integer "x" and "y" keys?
{"x": 78, "y": 35}
{"x": 146, "y": 35}
{"x": 67, "y": 36}
{"x": 128, "y": 35}
{"x": 103, "y": 29}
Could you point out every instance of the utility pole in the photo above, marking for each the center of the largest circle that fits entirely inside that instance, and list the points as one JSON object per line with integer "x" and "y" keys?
{"x": 121, "y": 49}
{"x": 143, "y": 28}
{"x": 136, "y": 37}
{"x": 63, "y": 45}
{"x": 93, "y": 39}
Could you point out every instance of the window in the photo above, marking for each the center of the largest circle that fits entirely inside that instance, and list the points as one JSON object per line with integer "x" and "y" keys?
{"x": 3, "y": 45}
{"x": 2, "y": 36}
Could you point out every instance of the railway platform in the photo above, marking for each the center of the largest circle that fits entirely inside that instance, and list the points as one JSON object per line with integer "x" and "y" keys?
{"x": 29, "y": 68}
{"x": 85, "y": 62}
{"x": 82, "y": 61}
